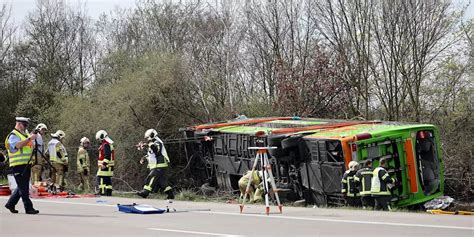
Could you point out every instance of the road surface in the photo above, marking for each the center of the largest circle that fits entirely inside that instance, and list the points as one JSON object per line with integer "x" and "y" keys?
{"x": 100, "y": 217}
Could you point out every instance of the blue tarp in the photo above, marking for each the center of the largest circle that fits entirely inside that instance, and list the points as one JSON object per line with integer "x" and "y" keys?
{"x": 140, "y": 209}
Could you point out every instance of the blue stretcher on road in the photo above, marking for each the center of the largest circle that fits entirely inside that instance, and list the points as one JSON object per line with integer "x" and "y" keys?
{"x": 140, "y": 209}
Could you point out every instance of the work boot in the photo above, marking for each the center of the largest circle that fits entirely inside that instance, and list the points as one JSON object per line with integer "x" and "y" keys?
{"x": 108, "y": 192}
{"x": 144, "y": 193}
{"x": 12, "y": 209}
{"x": 52, "y": 189}
{"x": 32, "y": 212}
{"x": 170, "y": 195}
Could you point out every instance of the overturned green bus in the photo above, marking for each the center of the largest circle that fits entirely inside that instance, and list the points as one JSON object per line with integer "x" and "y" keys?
{"x": 312, "y": 155}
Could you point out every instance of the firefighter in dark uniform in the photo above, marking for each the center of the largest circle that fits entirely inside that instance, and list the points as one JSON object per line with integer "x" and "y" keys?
{"x": 19, "y": 145}
{"x": 349, "y": 187}
{"x": 158, "y": 161}
{"x": 106, "y": 163}
{"x": 363, "y": 180}
{"x": 380, "y": 187}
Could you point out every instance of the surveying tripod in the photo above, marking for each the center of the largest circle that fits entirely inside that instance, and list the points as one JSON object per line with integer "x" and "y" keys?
{"x": 35, "y": 154}
{"x": 267, "y": 176}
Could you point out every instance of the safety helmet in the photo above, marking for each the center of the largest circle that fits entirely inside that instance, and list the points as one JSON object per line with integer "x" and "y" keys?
{"x": 151, "y": 134}
{"x": 100, "y": 135}
{"x": 85, "y": 140}
{"x": 59, "y": 134}
{"x": 353, "y": 165}
{"x": 41, "y": 126}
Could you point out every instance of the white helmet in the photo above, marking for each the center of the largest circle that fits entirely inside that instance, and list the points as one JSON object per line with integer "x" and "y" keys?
{"x": 101, "y": 135}
{"x": 85, "y": 140}
{"x": 41, "y": 126}
{"x": 59, "y": 134}
{"x": 151, "y": 134}
{"x": 353, "y": 165}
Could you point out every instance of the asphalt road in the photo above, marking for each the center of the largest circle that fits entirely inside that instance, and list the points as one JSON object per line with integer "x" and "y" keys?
{"x": 100, "y": 217}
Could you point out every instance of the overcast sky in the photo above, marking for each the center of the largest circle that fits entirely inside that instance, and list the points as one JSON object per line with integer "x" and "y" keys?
{"x": 95, "y": 8}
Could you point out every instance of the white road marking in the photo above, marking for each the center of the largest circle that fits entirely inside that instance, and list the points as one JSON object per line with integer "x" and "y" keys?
{"x": 345, "y": 221}
{"x": 193, "y": 232}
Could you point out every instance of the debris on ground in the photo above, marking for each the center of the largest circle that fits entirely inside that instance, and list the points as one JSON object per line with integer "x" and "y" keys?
{"x": 439, "y": 203}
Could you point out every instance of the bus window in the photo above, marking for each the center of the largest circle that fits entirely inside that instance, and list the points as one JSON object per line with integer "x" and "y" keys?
{"x": 428, "y": 162}
{"x": 335, "y": 153}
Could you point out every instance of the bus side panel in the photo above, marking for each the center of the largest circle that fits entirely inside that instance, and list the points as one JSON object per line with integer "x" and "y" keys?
{"x": 347, "y": 151}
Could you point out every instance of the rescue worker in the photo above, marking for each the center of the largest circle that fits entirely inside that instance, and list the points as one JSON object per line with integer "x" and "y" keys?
{"x": 83, "y": 162}
{"x": 158, "y": 162}
{"x": 256, "y": 186}
{"x": 106, "y": 163}
{"x": 363, "y": 180}
{"x": 38, "y": 161}
{"x": 349, "y": 187}
{"x": 59, "y": 159}
{"x": 20, "y": 149}
{"x": 380, "y": 190}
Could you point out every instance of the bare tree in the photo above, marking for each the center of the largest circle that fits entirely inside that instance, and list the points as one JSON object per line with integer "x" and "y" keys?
{"x": 12, "y": 86}
{"x": 347, "y": 28}
{"x": 61, "y": 44}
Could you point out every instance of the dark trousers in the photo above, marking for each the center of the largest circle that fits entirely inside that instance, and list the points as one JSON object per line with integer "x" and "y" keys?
{"x": 156, "y": 180}
{"x": 353, "y": 201}
{"x": 382, "y": 202}
{"x": 105, "y": 185}
{"x": 367, "y": 201}
{"x": 22, "y": 174}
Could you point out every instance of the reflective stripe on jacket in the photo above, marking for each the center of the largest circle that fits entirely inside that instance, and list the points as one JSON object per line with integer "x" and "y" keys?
{"x": 363, "y": 178}
{"x": 158, "y": 158}
{"x": 380, "y": 179}
{"x": 107, "y": 159}
{"x": 22, "y": 155}
{"x": 348, "y": 184}
{"x": 82, "y": 159}
{"x": 55, "y": 147}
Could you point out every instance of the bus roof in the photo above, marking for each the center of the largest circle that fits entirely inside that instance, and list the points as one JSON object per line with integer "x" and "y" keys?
{"x": 286, "y": 125}
{"x": 373, "y": 129}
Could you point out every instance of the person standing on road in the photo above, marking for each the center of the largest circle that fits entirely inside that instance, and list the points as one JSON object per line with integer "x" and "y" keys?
{"x": 83, "y": 162}
{"x": 380, "y": 190}
{"x": 59, "y": 159}
{"x": 20, "y": 149}
{"x": 106, "y": 163}
{"x": 158, "y": 161}
{"x": 363, "y": 180}
{"x": 349, "y": 187}
{"x": 38, "y": 160}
